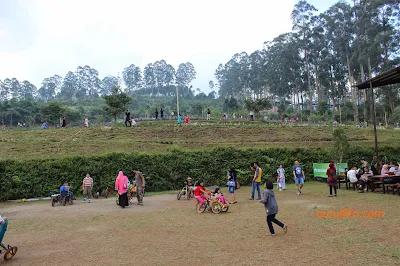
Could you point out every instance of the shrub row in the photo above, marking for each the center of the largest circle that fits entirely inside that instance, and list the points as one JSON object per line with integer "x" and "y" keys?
{"x": 38, "y": 178}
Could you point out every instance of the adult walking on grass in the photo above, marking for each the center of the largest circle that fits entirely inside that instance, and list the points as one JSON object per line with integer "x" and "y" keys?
{"x": 87, "y": 186}
{"x": 332, "y": 178}
{"x": 271, "y": 208}
{"x": 256, "y": 181}
{"x": 140, "y": 185}
{"x": 281, "y": 178}
{"x": 232, "y": 185}
{"x": 122, "y": 185}
{"x": 299, "y": 176}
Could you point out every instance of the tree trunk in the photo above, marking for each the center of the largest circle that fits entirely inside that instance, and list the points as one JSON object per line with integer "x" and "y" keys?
{"x": 353, "y": 91}
{"x": 319, "y": 92}
{"x": 308, "y": 78}
{"x": 364, "y": 91}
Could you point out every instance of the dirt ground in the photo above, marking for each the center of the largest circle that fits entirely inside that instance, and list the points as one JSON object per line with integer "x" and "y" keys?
{"x": 166, "y": 231}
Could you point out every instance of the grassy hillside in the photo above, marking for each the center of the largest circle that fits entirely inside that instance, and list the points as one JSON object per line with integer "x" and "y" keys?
{"x": 157, "y": 136}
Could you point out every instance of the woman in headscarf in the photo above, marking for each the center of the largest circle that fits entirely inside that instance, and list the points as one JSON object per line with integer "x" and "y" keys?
{"x": 122, "y": 186}
{"x": 332, "y": 178}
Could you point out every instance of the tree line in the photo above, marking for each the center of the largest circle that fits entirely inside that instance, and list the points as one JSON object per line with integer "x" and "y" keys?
{"x": 320, "y": 60}
{"x": 159, "y": 78}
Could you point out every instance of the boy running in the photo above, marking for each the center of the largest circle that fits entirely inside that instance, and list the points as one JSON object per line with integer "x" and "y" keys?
{"x": 271, "y": 208}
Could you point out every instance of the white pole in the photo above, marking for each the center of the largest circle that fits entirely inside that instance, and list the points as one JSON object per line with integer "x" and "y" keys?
{"x": 177, "y": 101}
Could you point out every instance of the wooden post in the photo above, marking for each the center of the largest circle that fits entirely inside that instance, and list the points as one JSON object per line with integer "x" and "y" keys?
{"x": 374, "y": 120}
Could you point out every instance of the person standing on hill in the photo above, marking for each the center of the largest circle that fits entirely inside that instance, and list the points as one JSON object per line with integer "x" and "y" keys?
{"x": 140, "y": 185}
{"x": 179, "y": 120}
{"x": 156, "y": 113}
{"x": 127, "y": 118}
{"x": 252, "y": 115}
{"x": 64, "y": 122}
{"x": 87, "y": 186}
{"x": 86, "y": 123}
{"x": 208, "y": 114}
{"x": 256, "y": 181}
{"x": 299, "y": 176}
{"x": 162, "y": 113}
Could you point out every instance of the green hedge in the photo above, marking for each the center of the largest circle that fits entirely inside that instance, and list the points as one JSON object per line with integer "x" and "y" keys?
{"x": 38, "y": 178}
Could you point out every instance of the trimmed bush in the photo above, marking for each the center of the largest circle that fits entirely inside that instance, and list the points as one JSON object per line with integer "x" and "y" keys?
{"x": 38, "y": 178}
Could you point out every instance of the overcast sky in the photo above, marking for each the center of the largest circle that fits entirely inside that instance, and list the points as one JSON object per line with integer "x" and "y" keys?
{"x": 40, "y": 38}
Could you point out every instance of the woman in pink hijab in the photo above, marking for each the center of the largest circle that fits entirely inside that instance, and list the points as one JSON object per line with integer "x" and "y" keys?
{"x": 122, "y": 185}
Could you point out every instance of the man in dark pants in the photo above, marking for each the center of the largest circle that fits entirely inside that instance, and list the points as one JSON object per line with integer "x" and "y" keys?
{"x": 162, "y": 114}
{"x": 127, "y": 118}
{"x": 139, "y": 181}
{"x": 156, "y": 113}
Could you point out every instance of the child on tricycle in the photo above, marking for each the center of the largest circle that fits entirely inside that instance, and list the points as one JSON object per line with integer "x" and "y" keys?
{"x": 10, "y": 251}
{"x": 199, "y": 195}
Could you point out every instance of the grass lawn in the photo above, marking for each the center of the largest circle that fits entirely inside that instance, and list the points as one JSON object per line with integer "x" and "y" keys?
{"x": 166, "y": 231}
{"x": 158, "y": 137}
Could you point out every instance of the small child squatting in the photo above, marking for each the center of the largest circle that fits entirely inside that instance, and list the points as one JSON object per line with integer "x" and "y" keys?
{"x": 271, "y": 208}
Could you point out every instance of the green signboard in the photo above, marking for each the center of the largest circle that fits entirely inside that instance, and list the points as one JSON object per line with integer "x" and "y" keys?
{"x": 320, "y": 169}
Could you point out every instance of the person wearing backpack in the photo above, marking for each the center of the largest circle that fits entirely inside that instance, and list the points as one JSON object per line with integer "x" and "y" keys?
{"x": 232, "y": 185}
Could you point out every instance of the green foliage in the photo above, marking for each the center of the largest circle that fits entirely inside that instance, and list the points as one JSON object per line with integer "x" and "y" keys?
{"x": 230, "y": 104}
{"x": 257, "y": 105}
{"x": 396, "y": 114}
{"x": 322, "y": 107}
{"x": 53, "y": 111}
{"x": 117, "y": 102}
{"x": 340, "y": 144}
{"x": 35, "y": 178}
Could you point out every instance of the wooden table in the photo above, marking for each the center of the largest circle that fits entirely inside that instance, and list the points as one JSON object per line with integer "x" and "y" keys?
{"x": 381, "y": 177}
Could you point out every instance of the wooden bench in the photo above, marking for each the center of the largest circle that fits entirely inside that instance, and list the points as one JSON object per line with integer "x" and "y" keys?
{"x": 344, "y": 181}
{"x": 375, "y": 185}
{"x": 393, "y": 187}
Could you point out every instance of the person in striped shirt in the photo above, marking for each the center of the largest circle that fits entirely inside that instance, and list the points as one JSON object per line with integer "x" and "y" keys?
{"x": 87, "y": 186}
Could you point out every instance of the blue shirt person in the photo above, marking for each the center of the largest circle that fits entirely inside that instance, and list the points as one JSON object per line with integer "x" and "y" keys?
{"x": 298, "y": 174}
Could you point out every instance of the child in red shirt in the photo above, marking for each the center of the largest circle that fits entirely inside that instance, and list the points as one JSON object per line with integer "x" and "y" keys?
{"x": 199, "y": 195}
{"x": 187, "y": 119}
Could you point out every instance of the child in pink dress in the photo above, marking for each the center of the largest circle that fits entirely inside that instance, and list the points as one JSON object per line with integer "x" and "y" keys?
{"x": 218, "y": 195}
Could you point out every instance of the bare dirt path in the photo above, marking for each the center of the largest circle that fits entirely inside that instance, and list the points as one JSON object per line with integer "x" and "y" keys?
{"x": 31, "y": 210}
{"x": 166, "y": 231}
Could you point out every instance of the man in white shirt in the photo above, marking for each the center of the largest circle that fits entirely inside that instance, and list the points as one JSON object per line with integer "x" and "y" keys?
{"x": 352, "y": 175}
